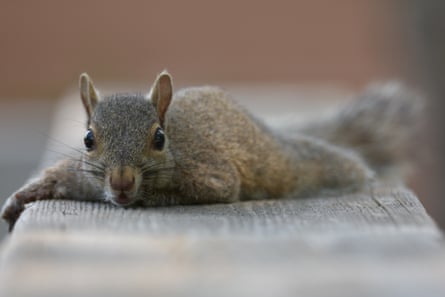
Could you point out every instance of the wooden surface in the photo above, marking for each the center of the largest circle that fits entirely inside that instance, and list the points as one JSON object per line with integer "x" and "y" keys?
{"x": 379, "y": 243}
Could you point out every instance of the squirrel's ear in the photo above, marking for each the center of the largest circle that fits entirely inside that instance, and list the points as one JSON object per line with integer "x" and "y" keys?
{"x": 88, "y": 93}
{"x": 161, "y": 94}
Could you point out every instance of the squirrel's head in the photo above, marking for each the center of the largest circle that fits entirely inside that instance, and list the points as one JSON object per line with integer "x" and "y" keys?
{"x": 126, "y": 148}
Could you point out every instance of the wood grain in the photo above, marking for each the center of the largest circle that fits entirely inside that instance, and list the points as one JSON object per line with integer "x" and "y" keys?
{"x": 380, "y": 243}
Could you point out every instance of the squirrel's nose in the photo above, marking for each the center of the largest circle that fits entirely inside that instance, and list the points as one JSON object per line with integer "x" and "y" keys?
{"x": 122, "y": 178}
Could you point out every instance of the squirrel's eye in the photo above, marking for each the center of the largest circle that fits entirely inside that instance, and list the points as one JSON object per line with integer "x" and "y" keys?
{"x": 89, "y": 139}
{"x": 159, "y": 139}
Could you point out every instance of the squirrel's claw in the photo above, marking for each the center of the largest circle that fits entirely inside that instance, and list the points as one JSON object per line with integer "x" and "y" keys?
{"x": 12, "y": 209}
{"x": 15, "y": 204}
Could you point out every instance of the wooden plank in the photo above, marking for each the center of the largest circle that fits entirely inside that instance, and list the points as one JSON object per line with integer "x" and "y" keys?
{"x": 373, "y": 211}
{"x": 380, "y": 243}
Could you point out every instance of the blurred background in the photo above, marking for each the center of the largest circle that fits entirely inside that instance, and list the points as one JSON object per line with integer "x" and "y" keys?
{"x": 46, "y": 44}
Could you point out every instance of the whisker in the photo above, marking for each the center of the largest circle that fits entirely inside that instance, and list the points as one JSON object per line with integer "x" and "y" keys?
{"x": 98, "y": 166}
{"x": 93, "y": 172}
{"x": 79, "y": 160}
{"x": 64, "y": 144}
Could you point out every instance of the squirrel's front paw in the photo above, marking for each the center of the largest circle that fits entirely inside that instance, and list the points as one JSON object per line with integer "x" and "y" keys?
{"x": 11, "y": 210}
{"x": 15, "y": 204}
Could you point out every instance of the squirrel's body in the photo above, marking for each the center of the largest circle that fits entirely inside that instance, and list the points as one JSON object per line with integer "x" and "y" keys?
{"x": 234, "y": 151}
{"x": 200, "y": 147}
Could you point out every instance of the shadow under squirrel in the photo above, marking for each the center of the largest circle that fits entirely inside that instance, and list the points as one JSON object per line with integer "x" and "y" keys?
{"x": 201, "y": 147}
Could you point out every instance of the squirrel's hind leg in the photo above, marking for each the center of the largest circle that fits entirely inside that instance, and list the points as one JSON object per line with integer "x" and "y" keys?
{"x": 210, "y": 182}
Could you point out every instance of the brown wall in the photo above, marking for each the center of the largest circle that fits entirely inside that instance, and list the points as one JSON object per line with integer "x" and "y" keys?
{"x": 46, "y": 44}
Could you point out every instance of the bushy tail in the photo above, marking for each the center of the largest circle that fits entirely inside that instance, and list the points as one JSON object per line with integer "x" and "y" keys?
{"x": 380, "y": 125}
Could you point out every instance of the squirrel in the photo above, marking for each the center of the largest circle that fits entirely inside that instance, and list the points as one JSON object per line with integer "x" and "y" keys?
{"x": 199, "y": 146}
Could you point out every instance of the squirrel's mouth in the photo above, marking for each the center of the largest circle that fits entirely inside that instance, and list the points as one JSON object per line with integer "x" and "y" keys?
{"x": 122, "y": 199}
{"x": 122, "y": 184}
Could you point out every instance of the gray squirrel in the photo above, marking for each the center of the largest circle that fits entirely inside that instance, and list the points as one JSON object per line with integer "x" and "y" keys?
{"x": 198, "y": 146}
